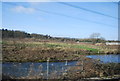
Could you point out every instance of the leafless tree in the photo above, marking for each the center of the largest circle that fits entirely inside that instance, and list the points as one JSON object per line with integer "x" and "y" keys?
{"x": 95, "y": 35}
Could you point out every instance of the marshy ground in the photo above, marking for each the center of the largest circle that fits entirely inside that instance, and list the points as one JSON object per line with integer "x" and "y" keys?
{"x": 29, "y": 50}
{"x": 32, "y": 50}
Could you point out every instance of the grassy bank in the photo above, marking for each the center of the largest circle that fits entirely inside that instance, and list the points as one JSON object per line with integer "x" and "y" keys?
{"x": 90, "y": 69}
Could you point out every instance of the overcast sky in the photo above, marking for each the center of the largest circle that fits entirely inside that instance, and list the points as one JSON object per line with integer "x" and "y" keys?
{"x": 69, "y": 19}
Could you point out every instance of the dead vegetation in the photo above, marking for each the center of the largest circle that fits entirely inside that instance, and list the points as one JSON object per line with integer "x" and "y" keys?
{"x": 24, "y": 50}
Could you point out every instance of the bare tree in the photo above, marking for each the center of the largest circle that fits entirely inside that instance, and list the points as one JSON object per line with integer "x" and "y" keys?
{"x": 95, "y": 35}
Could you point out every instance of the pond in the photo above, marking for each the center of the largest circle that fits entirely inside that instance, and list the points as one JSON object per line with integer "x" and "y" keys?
{"x": 24, "y": 69}
{"x": 46, "y": 70}
{"x": 106, "y": 58}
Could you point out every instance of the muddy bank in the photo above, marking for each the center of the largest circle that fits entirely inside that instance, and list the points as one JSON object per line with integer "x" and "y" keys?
{"x": 38, "y": 55}
{"x": 12, "y": 53}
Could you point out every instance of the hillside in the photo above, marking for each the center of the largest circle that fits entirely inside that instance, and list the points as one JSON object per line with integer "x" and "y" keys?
{"x": 21, "y": 34}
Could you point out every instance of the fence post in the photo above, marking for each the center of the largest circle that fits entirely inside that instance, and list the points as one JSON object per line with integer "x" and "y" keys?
{"x": 47, "y": 68}
{"x": 66, "y": 63}
{"x": 82, "y": 65}
{"x": 83, "y": 71}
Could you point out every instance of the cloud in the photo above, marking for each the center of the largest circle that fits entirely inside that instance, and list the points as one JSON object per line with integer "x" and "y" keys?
{"x": 22, "y": 9}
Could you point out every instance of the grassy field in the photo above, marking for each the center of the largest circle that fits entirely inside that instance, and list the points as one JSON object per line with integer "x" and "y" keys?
{"x": 29, "y": 50}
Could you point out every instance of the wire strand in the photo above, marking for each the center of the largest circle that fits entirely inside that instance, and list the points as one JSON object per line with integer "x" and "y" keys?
{"x": 64, "y": 15}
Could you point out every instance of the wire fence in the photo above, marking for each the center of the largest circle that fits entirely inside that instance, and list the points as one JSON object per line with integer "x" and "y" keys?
{"x": 54, "y": 70}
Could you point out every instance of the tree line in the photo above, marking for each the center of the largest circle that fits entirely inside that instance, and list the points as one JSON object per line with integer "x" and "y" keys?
{"x": 21, "y": 34}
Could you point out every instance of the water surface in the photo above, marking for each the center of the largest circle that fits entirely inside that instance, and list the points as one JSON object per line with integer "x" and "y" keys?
{"x": 23, "y": 69}
{"x": 106, "y": 58}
